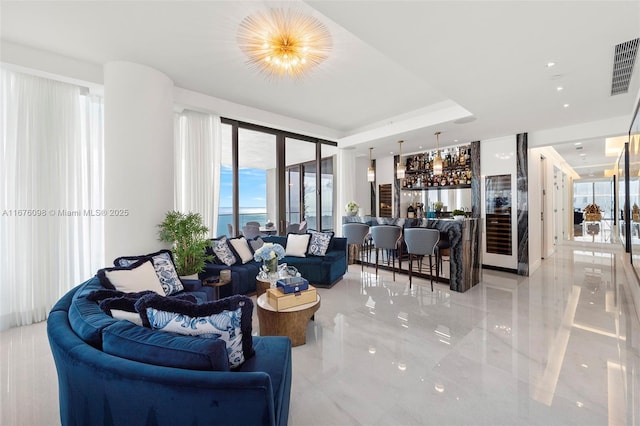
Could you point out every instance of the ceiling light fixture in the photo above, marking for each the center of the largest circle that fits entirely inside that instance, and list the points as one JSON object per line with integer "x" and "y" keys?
{"x": 283, "y": 42}
{"x": 400, "y": 169}
{"x": 566, "y": 105}
{"x": 559, "y": 88}
{"x": 550, "y": 64}
{"x": 437, "y": 162}
{"x": 371, "y": 172}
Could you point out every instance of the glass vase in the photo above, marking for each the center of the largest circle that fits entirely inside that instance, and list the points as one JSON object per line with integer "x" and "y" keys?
{"x": 271, "y": 266}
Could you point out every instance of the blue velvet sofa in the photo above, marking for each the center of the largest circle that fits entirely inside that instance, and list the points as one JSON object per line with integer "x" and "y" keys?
{"x": 322, "y": 271}
{"x": 99, "y": 383}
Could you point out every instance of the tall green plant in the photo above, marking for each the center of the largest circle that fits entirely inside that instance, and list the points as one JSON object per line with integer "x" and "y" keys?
{"x": 188, "y": 237}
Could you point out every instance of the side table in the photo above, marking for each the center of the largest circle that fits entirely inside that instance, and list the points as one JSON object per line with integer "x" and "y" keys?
{"x": 216, "y": 285}
{"x": 291, "y": 322}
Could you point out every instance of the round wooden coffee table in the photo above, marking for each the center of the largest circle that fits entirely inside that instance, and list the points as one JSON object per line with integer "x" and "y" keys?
{"x": 291, "y": 322}
{"x": 262, "y": 286}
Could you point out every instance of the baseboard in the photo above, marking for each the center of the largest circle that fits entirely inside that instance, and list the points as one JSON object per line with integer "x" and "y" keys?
{"x": 500, "y": 268}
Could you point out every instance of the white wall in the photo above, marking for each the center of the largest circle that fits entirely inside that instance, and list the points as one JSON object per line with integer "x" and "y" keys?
{"x": 498, "y": 157}
{"x": 139, "y": 170}
{"x": 537, "y": 169}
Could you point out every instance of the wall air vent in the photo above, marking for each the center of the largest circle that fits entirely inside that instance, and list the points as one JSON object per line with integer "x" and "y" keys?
{"x": 623, "y": 60}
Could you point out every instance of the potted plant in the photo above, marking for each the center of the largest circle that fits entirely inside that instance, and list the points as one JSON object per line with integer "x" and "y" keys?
{"x": 187, "y": 235}
{"x": 352, "y": 208}
{"x": 458, "y": 214}
{"x": 437, "y": 205}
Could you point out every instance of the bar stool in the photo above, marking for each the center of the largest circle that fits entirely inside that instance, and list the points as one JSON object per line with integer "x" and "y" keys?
{"x": 355, "y": 233}
{"x": 386, "y": 237}
{"x": 422, "y": 242}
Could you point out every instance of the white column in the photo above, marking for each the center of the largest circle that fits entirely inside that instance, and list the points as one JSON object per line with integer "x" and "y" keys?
{"x": 139, "y": 170}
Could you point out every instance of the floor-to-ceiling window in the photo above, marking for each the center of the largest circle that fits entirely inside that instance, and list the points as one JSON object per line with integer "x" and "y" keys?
{"x": 268, "y": 175}
{"x": 601, "y": 193}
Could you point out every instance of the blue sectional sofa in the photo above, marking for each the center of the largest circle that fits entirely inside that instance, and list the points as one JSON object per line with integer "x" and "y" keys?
{"x": 322, "y": 271}
{"x": 99, "y": 383}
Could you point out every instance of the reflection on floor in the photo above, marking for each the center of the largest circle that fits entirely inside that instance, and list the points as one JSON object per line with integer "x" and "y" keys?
{"x": 559, "y": 347}
{"x": 594, "y": 232}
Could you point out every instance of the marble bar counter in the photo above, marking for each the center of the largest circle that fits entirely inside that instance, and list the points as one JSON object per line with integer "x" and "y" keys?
{"x": 464, "y": 237}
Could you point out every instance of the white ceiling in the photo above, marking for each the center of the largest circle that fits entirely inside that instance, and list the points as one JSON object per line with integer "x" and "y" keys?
{"x": 398, "y": 70}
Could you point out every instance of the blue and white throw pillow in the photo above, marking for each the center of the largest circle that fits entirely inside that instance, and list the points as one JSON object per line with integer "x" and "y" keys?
{"x": 319, "y": 243}
{"x": 228, "y": 319}
{"x": 164, "y": 266}
{"x": 223, "y": 252}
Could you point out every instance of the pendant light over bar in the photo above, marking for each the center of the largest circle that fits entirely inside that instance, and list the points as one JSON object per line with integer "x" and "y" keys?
{"x": 400, "y": 169}
{"x": 437, "y": 162}
{"x": 371, "y": 172}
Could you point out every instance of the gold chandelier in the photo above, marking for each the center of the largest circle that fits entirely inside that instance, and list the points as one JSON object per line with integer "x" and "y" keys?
{"x": 283, "y": 42}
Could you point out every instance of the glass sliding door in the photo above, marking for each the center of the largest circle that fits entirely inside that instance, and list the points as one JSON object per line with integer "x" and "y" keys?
{"x": 300, "y": 159}
{"x": 257, "y": 179}
{"x": 269, "y": 175}
{"x": 293, "y": 194}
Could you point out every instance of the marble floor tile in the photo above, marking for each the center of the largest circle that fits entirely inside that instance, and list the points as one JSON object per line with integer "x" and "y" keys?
{"x": 561, "y": 347}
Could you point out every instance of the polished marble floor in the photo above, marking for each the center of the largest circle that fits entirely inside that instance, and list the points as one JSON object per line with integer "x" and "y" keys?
{"x": 560, "y": 347}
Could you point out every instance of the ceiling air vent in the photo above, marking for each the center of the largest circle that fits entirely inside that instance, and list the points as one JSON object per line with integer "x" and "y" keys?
{"x": 623, "y": 60}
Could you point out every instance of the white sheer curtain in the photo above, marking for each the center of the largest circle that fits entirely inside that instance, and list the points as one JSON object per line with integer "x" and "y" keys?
{"x": 51, "y": 169}
{"x": 197, "y": 156}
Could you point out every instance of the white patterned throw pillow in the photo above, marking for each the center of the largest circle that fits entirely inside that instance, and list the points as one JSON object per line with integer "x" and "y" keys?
{"x": 228, "y": 319}
{"x": 319, "y": 243}
{"x": 223, "y": 252}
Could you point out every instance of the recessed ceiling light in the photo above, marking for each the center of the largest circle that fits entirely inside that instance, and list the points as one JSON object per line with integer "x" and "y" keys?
{"x": 455, "y": 140}
{"x": 583, "y": 155}
{"x": 550, "y": 64}
{"x": 578, "y": 143}
{"x": 566, "y": 105}
{"x": 559, "y": 88}
{"x": 420, "y": 147}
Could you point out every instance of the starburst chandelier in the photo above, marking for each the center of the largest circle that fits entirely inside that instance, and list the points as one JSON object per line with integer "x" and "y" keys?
{"x": 283, "y": 42}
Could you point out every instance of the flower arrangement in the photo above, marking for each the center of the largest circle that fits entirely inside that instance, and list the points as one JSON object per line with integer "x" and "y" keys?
{"x": 269, "y": 254}
{"x": 352, "y": 207}
{"x": 269, "y": 251}
{"x": 437, "y": 205}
